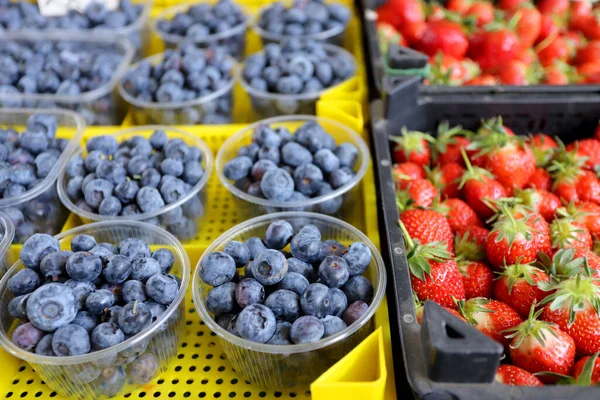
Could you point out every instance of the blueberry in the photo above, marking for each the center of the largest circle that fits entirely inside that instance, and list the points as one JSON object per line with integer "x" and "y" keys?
{"x": 34, "y": 142}
{"x": 298, "y": 266}
{"x": 340, "y": 177}
{"x": 158, "y": 139}
{"x": 21, "y": 156}
{"x": 103, "y": 252}
{"x": 294, "y": 281}
{"x": 278, "y": 235}
{"x": 170, "y": 166}
{"x": 289, "y": 85}
{"x": 306, "y": 248}
{"x": 237, "y": 168}
{"x": 217, "y": 268}
{"x": 96, "y": 191}
{"x": 70, "y": 340}
{"x": 307, "y": 329}
{"x": 256, "y": 323}
{"x": 44, "y": 163}
{"x": 172, "y": 190}
{"x": 149, "y": 199}
{"x": 269, "y": 153}
{"x": 256, "y": 246}
{"x": 249, "y": 291}
{"x": 130, "y": 209}
{"x": 250, "y": 151}
{"x": 142, "y": 268}
{"x": 332, "y": 205}
{"x": 165, "y": 259}
{"x": 294, "y": 154}
{"x": 106, "y": 335}
{"x": 44, "y": 346}
{"x": 162, "y": 288}
{"x": 54, "y": 265}
{"x": 263, "y": 135}
{"x": 260, "y": 167}
{"x": 150, "y": 177}
{"x": 86, "y": 373}
{"x": 277, "y": 185}
{"x": 112, "y": 315}
{"x": 156, "y": 310}
{"x": 134, "y": 248}
{"x": 270, "y": 267}
{"x": 326, "y": 161}
{"x": 134, "y": 317}
{"x": 81, "y": 290}
{"x": 332, "y": 325}
{"x": 340, "y": 302}
{"x": 192, "y": 172}
{"x": 23, "y": 282}
{"x": 126, "y": 191}
{"x": 108, "y": 246}
{"x": 111, "y": 381}
{"x": 36, "y": 247}
{"x": 354, "y": 312}
{"x": 17, "y": 307}
{"x": 248, "y": 270}
{"x": 221, "y": 299}
{"x": 143, "y": 369}
{"x": 282, "y": 334}
{"x": 27, "y": 336}
{"x": 358, "y": 288}
{"x": 133, "y": 290}
{"x": 333, "y": 271}
{"x": 347, "y": 153}
{"x": 99, "y": 301}
{"x": 310, "y": 230}
{"x": 74, "y": 188}
{"x": 239, "y": 252}
{"x": 94, "y": 159}
{"x": 308, "y": 179}
{"x": 137, "y": 165}
{"x": 110, "y": 206}
{"x": 317, "y": 300}
{"x": 84, "y": 266}
{"x": 333, "y": 248}
{"x": 45, "y": 123}
{"x": 86, "y": 320}
{"x": 255, "y": 190}
{"x": 285, "y": 304}
{"x": 310, "y": 135}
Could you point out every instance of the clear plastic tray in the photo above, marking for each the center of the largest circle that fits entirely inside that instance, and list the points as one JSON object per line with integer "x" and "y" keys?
{"x": 192, "y": 112}
{"x": 41, "y": 205}
{"x": 100, "y": 106}
{"x": 68, "y": 375}
{"x": 193, "y": 203}
{"x": 7, "y": 230}
{"x": 272, "y": 366}
{"x": 233, "y": 39}
{"x": 266, "y": 104}
{"x": 251, "y": 206}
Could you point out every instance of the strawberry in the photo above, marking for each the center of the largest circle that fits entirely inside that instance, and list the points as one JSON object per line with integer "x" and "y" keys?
{"x": 543, "y": 147}
{"x": 541, "y": 232}
{"x": 529, "y": 24}
{"x": 407, "y": 16}
{"x": 540, "y": 179}
{"x": 459, "y": 6}
{"x": 587, "y": 369}
{"x": 589, "y": 72}
{"x": 448, "y": 142}
{"x": 428, "y": 226}
{"x": 446, "y": 179}
{"x": 540, "y": 201}
{"x": 517, "y": 73}
{"x": 553, "y": 7}
{"x": 420, "y": 307}
{"x": 574, "y": 307}
{"x": 540, "y": 346}
{"x": 387, "y": 35}
{"x": 482, "y": 80}
{"x": 418, "y": 193}
{"x": 443, "y": 36}
{"x": 588, "y": 148}
{"x": 527, "y": 56}
{"x": 588, "y": 187}
{"x": 412, "y": 146}
{"x": 407, "y": 171}
{"x": 588, "y": 53}
{"x": 517, "y": 286}
{"x": 490, "y": 317}
{"x": 579, "y": 13}
{"x": 477, "y": 277}
{"x": 565, "y": 233}
{"x": 493, "y": 47}
{"x": 560, "y": 73}
{"x": 510, "y": 5}
{"x": 511, "y": 239}
{"x": 433, "y": 272}
{"x": 563, "y": 264}
{"x": 549, "y": 28}
{"x": 553, "y": 50}
{"x": 590, "y": 26}
{"x": 586, "y": 214}
{"x": 515, "y": 376}
{"x": 450, "y": 71}
{"x": 479, "y": 186}
{"x": 566, "y": 170}
{"x": 435, "y": 11}
{"x": 470, "y": 242}
{"x": 459, "y": 215}
{"x": 481, "y": 11}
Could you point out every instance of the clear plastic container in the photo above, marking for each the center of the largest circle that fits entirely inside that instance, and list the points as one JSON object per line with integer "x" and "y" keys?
{"x": 7, "y": 234}
{"x": 191, "y": 205}
{"x": 266, "y": 104}
{"x": 202, "y": 110}
{"x": 348, "y": 195}
{"x": 272, "y": 366}
{"x": 40, "y": 205}
{"x": 82, "y": 376}
{"x": 101, "y": 106}
{"x": 233, "y": 39}
{"x": 333, "y": 36}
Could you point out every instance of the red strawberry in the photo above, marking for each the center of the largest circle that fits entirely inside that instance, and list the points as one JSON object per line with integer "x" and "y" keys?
{"x": 589, "y": 72}
{"x": 553, "y": 7}
{"x": 588, "y": 148}
{"x": 560, "y": 73}
{"x": 428, "y": 226}
{"x": 586, "y": 214}
{"x": 443, "y": 36}
{"x": 482, "y": 80}
{"x": 448, "y": 142}
{"x": 588, "y": 53}
{"x": 509, "y": 5}
{"x": 566, "y": 170}
{"x": 449, "y": 71}
{"x": 540, "y": 346}
{"x": 420, "y": 307}
{"x": 418, "y": 193}
{"x": 407, "y": 16}
{"x": 529, "y": 24}
{"x": 406, "y": 172}
{"x": 516, "y": 72}
{"x": 470, "y": 242}
{"x": 459, "y": 6}
{"x": 549, "y": 29}
{"x": 574, "y": 307}
{"x": 542, "y": 147}
{"x": 511, "y": 239}
{"x": 540, "y": 179}
{"x": 590, "y": 26}
{"x": 490, "y": 317}
{"x": 587, "y": 371}
{"x": 446, "y": 179}
{"x": 579, "y": 13}
{"x": 515, "y": 376}
{"x": 565, "y": 233}
{"x": 434, "y": 274}
{"x": 588, "y": 187}
{"x": 492, "y": 49}
{"x": 540, "y": 201}
{"x": 518, "y": 287}
{"x": 541, "y": 233}
{"x": 459, "y": 215}
{"x": 482, "y": 12}
{"x": 412, "y": 146}
{"x": 477, "y": 277}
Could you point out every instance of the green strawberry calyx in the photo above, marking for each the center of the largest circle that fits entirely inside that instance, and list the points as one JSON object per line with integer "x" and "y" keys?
{"x": 530, "y": 327}
{"x": 562, "y": 265}
{"x": 475, "y": 305}
{"x": 473, "y": 173}
{"x": 419, "y": 255}
{"x": 563, "y": 232}
{"x": 511, "y": 229}
{"x": 518, "y": 271}
{"x": 467, "y": 248}
{"x": 584, "y": 379}
{"x": 412, "y": 141}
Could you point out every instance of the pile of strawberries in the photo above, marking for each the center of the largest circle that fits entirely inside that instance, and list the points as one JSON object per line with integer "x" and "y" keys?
{"x": 504, "y": 232}
{"x": 510, "y": 42}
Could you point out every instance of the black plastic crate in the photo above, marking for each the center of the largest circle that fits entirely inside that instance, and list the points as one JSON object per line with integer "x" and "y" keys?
{"x": 445, "y": 358}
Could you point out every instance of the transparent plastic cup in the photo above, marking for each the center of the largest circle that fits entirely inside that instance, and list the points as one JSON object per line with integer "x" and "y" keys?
{"x": 347, "y": 197}
{"x": 84, "y": 376}
{"x": 7, "y": 232}
{"x": 215, "y": 108}
{"x": 273, "y": 366}
{"x": 266, "y": 104}
{"x": 40, "y": 205}
{"x": 184, "y": 224}
{"x": 233, "y": 39}
{"x": 101, "y": 106}
{"x": 334, "y": 36}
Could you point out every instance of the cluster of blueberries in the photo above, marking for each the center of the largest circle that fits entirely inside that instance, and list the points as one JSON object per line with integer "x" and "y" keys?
{"x": 282, "y": 166}
{"x": 287, "y": 295}
{"x": 304, "y": 17}
{"x": 18, "y": 15}
{"x": 183, "y": 75}
{"x": 138, "y": 176}
{"x": 296, "y": 66}
{"x": 90, "y": 298}
{"x": 26, "y": 160}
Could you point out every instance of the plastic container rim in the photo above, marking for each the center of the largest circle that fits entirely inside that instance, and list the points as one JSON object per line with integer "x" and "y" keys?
{"x": 379, "y": 289}
{"x": 172, "y": 38}
{"x": 206, "y": 157}
{"x": 236, "y": 138}
{"x": 179, "y": 253}
{"x": 321, "y": 36}
{"x": 50, "y": 179}
{"x": 330, "y": 48}
{"x": 9, "y": 234}
{"x": 99, "y": 38}
{"x": 169, "y": 106}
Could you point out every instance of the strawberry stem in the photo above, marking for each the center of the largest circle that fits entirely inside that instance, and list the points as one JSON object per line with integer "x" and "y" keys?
{"x": 409, "y": 242}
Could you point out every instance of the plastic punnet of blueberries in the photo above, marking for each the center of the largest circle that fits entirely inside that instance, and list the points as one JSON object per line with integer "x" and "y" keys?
{"x": 187, "y": 85}
{"x": 287, "y": 288}
{"x": 135, "y": 177}
{"x": 222, "y": 23}
{"x": 289, "y": 167}
{"x": 90, "y": 298}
